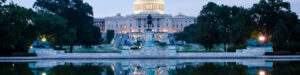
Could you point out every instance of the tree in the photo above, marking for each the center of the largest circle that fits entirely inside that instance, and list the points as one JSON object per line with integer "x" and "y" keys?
{"x": 268, "y": 12}
{"x": 181, "y": 36}
{"x": 295, "y": 32}
{"x": 280, "y": 37}
{"x": 225, "y": 21}
{"x": 15, "y": 28}
{"x": 272, "y": 14}
{"x": 110, "y": 34}
{"x": 294, "y": 43}
{"x": 2, "y": 1}
{"x": 221, "y": 24}
{"x": 207, "y": 31}
{"x": 68, "y": 37}
{"x": 241, "y": 29}
{"x": 79, "y": 16}
{"x": 187, "y": 34}
{"x": 53, "y": 27}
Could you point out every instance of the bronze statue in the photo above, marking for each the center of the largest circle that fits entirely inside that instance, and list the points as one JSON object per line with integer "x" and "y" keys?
{"x": 149, "y": 21}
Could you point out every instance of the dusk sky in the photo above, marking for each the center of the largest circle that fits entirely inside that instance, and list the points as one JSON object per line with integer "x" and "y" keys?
{"x": 104, "y": 8}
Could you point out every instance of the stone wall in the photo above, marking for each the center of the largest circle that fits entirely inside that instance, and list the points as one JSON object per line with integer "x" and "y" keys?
{"x": 152, "y": 53}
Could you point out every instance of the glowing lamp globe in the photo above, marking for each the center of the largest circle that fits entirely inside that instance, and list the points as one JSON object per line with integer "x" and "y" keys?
{"x": 44, "y": 73}
{"x": 44, "y": 40}
{"x": 262, "y": 38}
{"x": 262, "y": 72}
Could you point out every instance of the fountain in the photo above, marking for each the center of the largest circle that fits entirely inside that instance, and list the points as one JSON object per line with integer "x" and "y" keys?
{"x": 43, "y": 48}
{"x": 40, "y": 44}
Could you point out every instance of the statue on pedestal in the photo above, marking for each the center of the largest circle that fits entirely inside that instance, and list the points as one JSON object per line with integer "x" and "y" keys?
{"x": 149, "y": 22}
{"x": 149, "y": 42}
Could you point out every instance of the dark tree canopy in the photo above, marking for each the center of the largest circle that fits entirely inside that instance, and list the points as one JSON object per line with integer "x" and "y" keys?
{"x": 16, "y": 28}
{"x": 268, "y": 12}
{"x": 281, "y": 35}
{"x": 221, "y": 24}
{"x": 53, "y": 27}
{"x": 79, "y": 16}
{"x": 2, "y": 1}
{"x": 276, "y": 19}
{"x": 110, "y": 34}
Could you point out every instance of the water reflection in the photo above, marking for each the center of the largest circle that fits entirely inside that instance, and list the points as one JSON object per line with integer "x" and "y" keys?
{"x": 150, "y": 67}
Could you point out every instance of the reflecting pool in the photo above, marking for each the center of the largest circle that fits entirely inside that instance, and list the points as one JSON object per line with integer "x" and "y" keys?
{"x": 151, "y": 67}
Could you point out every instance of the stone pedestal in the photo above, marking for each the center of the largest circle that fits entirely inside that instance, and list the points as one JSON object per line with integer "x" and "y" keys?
{"x": 149, "y": 42}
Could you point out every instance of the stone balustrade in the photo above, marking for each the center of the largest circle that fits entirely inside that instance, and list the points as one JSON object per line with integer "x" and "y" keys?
{"x": 152, "y": 53}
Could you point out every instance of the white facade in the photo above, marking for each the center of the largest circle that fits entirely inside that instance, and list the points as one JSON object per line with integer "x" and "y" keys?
{"x": 137, "y": 21}
{"x": 135, "y": 25}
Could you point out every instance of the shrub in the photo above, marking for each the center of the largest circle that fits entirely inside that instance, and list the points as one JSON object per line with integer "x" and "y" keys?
{"x": 292, "y": 47}
{"x": 163, "y": 44}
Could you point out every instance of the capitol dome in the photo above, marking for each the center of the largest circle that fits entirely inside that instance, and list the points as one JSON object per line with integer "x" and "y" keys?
{"x": 149, "y": 7}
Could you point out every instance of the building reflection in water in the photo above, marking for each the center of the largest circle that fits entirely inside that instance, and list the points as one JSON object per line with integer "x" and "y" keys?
{"x": 153, "y": 67}
{"x": 150, "y": 67}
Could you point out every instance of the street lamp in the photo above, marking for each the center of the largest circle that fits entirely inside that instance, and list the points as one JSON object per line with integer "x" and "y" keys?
{"x": 44, "y": 39}
{"x": 262, "y": 72}
{"x": 262, "y": 38}
{"x": 43, "y": 73}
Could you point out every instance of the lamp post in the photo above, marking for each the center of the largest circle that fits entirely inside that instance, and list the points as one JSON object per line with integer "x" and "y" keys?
{"x": 262, "y": 72}
{"x": 262, "y": 38}
{"x": 31, "y": 47}
{"x": 44, "y": 39}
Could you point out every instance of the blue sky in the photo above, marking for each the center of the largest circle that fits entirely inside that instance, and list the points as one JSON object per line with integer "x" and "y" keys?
{"x": 103, "y": 8}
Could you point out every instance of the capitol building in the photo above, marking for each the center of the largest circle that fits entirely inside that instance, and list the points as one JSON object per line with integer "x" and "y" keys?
{"x": 134, "y": 25}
